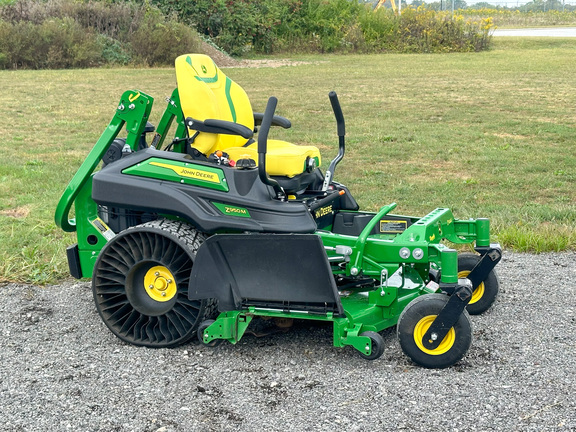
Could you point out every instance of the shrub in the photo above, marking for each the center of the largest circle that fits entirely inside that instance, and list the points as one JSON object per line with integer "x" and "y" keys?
{"x": 56, "y": 43}
{"x": 159, "y": 41}
{"x": 75, "y": 33}
{"x": 237, "y": 27}
{"x": 380, "y": 30}
{"x": 112, "y": 19}
{"x": 426, "y": 30}
{"x": 113, "y": 52}
{"x": 64, "y": 43}
{"x": 266, "y": 26}
{"x": 68, "y": 33}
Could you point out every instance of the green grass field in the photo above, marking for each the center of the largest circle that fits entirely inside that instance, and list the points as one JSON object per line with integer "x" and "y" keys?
{"x": 488, "y": 134}
{"x": 504, "y": 18}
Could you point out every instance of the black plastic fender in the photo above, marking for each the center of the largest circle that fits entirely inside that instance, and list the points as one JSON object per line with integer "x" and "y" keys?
{"x": 278, "y": 271}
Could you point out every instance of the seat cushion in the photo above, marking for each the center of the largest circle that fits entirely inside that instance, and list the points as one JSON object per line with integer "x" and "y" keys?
{"x": 282, "y": 158}
{"x": 207, "y": 93}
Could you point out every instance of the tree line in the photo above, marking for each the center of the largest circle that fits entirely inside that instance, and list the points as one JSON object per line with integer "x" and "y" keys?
{"x": 88, "y": 33}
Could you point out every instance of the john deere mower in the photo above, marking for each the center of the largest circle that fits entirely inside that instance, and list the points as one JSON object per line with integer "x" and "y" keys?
{"x": 199, "y": 234}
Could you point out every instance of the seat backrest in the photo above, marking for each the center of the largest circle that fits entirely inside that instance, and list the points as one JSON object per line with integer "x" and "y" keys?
{"x": 207, "y": 93}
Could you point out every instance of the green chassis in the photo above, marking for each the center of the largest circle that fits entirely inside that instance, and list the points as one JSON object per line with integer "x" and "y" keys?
{"x": 401, "y": 261}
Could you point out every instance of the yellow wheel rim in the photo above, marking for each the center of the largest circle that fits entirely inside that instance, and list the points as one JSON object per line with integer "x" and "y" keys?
{"x": 478, "y": 292}
{"x": 420, "y": 330}
{"x": 160, "y": 284}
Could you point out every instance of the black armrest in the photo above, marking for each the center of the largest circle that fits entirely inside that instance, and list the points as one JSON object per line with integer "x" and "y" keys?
{"x": 219, "y": 127}
{"x": 276, "y": 120}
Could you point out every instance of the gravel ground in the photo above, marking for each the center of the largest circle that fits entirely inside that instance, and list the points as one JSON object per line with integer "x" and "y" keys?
{"x": 61, "y": 369}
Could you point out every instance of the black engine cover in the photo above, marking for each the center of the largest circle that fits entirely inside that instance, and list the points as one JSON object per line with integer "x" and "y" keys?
{"x": 200, "y": 206}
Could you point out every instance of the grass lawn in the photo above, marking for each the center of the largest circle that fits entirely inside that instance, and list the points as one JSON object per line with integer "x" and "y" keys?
{"x": 489, "y": 134}
{"x": 503, "y": 18}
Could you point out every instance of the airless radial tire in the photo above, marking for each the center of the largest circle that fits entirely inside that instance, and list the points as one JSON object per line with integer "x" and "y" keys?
{"x": 140, "y": 284}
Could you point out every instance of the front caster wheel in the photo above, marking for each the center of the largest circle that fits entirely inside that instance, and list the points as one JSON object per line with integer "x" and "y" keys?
{"x": 201, "y": 329}
{"x": 415, "y": 321}
{"x": 140, "y": 284}
{"x": 377, "y": 346}
{"x": 485, "y": 294}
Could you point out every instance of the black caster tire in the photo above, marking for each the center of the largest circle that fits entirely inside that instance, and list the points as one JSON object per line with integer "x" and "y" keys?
{"x": 485, "y": 294}
{"x": 377, "y": 345}
{"x": 200, "y": 333}
{"x": 415, "y": 321}
{"x": 140, "y": 284}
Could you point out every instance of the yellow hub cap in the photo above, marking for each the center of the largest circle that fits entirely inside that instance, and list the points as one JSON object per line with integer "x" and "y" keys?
{"x": 160, "y": 284}
{"x": 420, "y": 330}
{"x": 478, "y": 292}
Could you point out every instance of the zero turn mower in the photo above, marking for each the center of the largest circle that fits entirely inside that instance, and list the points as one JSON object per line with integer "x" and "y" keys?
{"x": 199, "y": 236}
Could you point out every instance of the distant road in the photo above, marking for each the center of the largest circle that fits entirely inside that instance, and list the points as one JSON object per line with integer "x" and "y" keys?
{"x": 538, "y": 32}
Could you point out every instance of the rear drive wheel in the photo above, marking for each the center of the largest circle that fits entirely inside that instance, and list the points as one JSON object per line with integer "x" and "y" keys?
{"x": 485, "y": 294}
{"x": 415, "y": 321}
{"x": 140, "y": 284}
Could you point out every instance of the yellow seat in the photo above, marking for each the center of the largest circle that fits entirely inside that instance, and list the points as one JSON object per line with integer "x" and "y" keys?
{"x": 207, "y": 93}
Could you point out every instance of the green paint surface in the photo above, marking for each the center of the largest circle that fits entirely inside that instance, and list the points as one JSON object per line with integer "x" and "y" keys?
{"x": 180, "y": 172}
